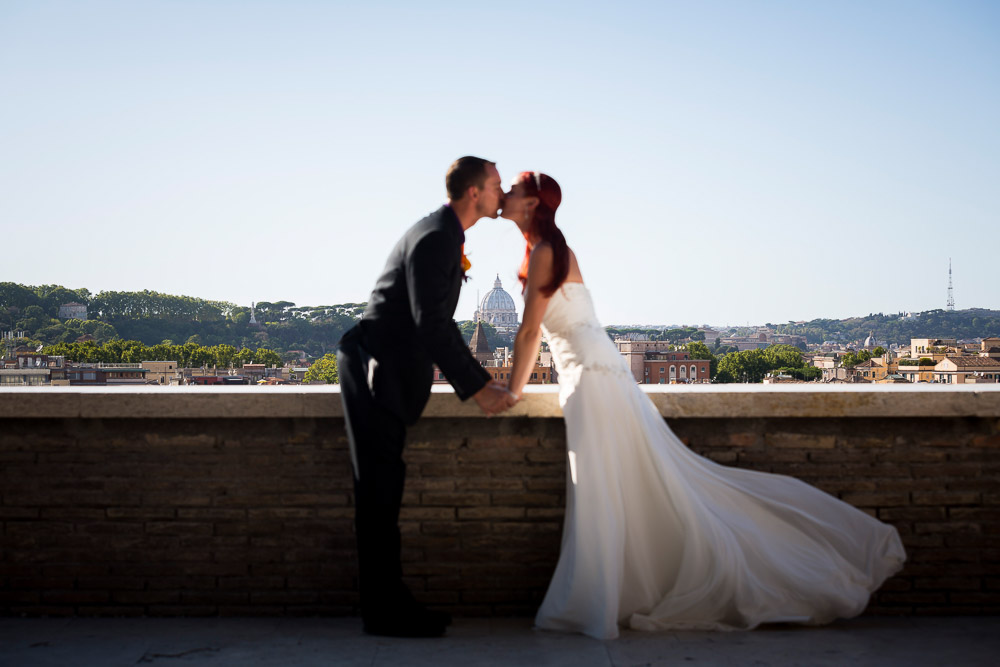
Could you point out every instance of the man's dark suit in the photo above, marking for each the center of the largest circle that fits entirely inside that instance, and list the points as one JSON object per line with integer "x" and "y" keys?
{"x": 386, "y": 371}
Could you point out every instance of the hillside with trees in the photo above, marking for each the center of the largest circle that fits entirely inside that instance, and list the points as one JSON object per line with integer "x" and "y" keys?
{"x": 899, "y": 328}
{"x": 169, "y": 321}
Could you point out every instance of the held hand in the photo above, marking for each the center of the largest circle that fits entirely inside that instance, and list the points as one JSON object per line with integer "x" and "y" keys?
{"x": 510, "y": 398}
{"x": 492, "y": 398}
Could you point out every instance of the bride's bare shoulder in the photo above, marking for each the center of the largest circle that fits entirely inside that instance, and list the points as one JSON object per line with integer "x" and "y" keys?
{"x": 574, "y": 268}
{"x": 542, "y": 252}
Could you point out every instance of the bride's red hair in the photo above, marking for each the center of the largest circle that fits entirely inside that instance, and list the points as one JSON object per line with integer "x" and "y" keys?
{"x": 543, "y": 227}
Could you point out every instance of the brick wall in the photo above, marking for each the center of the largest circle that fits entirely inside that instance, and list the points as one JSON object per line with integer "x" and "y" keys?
{"x": 253, "y": 516}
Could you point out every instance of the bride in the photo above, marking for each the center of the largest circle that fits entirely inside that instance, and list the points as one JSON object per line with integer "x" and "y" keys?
{"x": 655, "y": 536}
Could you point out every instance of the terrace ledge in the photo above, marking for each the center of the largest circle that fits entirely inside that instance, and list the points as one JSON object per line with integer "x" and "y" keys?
{"x": 539, "y": 401}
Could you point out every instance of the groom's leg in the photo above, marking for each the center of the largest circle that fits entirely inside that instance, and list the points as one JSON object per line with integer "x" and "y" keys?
{"x": 376, "y": 439}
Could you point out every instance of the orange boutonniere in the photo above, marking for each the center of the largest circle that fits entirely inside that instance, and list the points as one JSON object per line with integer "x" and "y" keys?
{"x": 466, "y": 264}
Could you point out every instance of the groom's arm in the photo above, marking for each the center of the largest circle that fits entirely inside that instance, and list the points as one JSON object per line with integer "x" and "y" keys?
{"x": 430, "y": 270}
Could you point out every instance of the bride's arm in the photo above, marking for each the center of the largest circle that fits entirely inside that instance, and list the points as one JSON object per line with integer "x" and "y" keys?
{"x": 529, "y": 336}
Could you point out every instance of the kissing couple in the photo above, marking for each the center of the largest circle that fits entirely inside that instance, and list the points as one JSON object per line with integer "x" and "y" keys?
{"x": 655, "y": 537}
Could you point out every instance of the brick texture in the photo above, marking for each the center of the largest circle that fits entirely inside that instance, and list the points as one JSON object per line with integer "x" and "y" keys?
{"x": 254, "y": 517}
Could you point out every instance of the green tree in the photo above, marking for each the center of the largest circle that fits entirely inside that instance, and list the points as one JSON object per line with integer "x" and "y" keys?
{"x": 752, "y": 365}
{"x": 852, "y": 359}
{"x": 244, "y": 356}
{"x": 746, "y": 366}
{"x": 266, "y": 357}
{"x": 698, "y": 350}
{"x": 101, "y": 331}
{"x": 225, "y": 355}
{"x": 778, "y": 356}
{"x": 324, "y": 369}
{"x": 33, "y": 318}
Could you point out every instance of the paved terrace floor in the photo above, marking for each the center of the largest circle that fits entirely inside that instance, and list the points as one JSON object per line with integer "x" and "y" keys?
{"x": 252, "y": 642}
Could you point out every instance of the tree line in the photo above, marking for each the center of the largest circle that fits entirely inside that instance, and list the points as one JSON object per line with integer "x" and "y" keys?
{"x": 154, "y": 318}
{"x": 188, "y": 355}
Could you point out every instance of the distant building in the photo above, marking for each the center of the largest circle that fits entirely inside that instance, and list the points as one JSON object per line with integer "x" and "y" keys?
{"x": 297, "y": 373}
{"x": 871, "y": 343}
{"x": 928, "y": 347}
{"x": 539, "y": 374}
{"x": 25, "y": 377}
{"x": 824, "y": 360}
{"x": 674, "y": 367}
{"x": 73, "y": 311}
{"x": 959, "y": 370}
{"x": 711, "y": 335}
{"x": 836, "y": 374}
{"x": 479, "y": 346}
{"x": 871, "y": 370}
{"x": 497, "y": 308}
{"x": 106, "y": 374}
{"x": 161, "y": 372}
{"x": 29, "y": 369}
{"x": 653, "y": 362}
{"x": 744, "y": 343}
{"x": 990, "y": 347}
{"x": 499, "y": 363}
{"x": 253, "y": 373}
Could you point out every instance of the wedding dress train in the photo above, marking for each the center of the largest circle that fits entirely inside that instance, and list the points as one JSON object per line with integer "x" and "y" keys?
{"x": 657, "y": 537}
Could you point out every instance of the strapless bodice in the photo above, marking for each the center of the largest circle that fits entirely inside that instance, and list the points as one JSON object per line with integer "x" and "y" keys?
{"x": 576, "y": 338}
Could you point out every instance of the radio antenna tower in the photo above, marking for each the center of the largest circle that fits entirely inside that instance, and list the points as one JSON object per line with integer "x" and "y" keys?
{"x": 951, "y": 291}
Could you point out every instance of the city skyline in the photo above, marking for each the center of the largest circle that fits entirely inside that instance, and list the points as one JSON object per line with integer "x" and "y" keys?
{"x": 728, "y": 164}
{"x": 479, "y": 298}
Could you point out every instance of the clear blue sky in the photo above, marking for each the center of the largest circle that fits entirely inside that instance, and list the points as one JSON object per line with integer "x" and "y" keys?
{"x": 721, "y": 162}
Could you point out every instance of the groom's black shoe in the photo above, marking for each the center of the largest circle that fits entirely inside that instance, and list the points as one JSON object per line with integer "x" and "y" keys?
{"x": 442, "y": 616}
{"x": 413, "y": 623}
{"x": 394, "y": 612}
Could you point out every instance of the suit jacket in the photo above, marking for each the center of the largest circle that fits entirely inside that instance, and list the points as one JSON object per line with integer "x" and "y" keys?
{"x": 408, "y": 325}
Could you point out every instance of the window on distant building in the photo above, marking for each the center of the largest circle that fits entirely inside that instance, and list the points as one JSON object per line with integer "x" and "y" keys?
{"x": 694, "y": 371}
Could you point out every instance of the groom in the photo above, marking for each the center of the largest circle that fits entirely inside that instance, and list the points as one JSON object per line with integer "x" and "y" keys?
{"x": 386, "y": 370}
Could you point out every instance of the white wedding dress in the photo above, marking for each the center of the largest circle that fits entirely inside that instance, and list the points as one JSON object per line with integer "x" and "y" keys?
{"x": 657, "y": 537}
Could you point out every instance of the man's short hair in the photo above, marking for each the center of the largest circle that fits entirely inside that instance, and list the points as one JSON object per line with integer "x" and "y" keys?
{"x": 463, "y": 174}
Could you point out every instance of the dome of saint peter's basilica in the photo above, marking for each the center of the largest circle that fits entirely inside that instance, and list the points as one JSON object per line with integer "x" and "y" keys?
{"x": 497, "y": 308}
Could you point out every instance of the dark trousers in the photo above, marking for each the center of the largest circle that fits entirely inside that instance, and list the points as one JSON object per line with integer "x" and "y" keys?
{"x": 376, "y": 438}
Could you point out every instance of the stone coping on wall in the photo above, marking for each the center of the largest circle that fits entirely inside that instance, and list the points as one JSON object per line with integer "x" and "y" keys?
{"x": 673, "y": 401}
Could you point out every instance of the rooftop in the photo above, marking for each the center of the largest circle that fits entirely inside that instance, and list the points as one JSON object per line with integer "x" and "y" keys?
{"x": 975, "y": 362}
